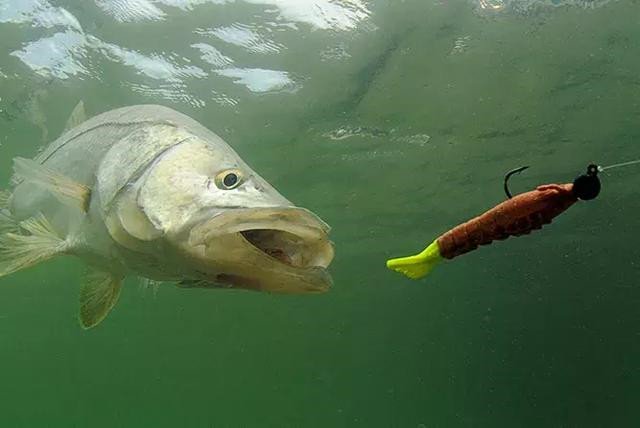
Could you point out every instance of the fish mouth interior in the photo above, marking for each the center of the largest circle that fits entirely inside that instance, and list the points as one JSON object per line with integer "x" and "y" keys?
{"x": 290, "y": 249}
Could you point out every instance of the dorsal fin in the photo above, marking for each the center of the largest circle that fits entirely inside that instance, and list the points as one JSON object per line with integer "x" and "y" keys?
{"x": 5, "y": 195}
{"x": 77, "y": 116}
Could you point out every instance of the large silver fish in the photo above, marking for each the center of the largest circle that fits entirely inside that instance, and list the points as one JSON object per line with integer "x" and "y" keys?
{"x": 147, "y": 191}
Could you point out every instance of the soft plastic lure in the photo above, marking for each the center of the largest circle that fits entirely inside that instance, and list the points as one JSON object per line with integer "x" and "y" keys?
{"x": 518, "y": 215}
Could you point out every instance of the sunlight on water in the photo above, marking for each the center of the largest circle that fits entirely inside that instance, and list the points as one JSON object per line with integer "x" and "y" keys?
{"x": 60, "y": 55}
{"x": 38, "y": 13}
{"x": 131, "y": 10}
{"x": 243, "y": 36}
{"x": 212, "y": 55}
{"x": 259, "y": 80}
{"x": 70, "y": 52}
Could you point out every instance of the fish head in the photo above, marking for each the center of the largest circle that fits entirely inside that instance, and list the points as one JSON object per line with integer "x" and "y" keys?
{"x": 228, "y": 226}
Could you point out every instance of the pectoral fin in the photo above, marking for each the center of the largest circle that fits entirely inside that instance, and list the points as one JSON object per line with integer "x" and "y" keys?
{"x": 66, "y": 190}
{"x": 28, "y": 243}
{"x": 98, "y": 295}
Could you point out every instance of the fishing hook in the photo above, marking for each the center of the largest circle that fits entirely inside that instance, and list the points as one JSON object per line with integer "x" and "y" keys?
{"x": 508, "y": 175}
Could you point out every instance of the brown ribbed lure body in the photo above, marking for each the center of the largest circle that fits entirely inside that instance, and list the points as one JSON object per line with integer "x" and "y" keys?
{"x": 514, "y": 217}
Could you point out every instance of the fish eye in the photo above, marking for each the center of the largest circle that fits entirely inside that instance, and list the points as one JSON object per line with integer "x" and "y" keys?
{"x": 228, "y": 180}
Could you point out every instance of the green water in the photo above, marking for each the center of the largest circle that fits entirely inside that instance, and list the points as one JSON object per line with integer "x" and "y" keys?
{"x": 393, "y": 129}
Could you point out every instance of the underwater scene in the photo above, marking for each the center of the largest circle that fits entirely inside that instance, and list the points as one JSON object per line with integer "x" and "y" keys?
{"x": 319, "y": 213}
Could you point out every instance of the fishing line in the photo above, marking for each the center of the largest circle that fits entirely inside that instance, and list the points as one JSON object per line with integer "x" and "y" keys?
{"x": 618, "y": 165}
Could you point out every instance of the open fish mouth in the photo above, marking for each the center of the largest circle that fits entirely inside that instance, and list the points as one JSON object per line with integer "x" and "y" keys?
{"x": 269, "y": 228}
{"x": 285, "y": 249}
{"x": 290, "y": 249}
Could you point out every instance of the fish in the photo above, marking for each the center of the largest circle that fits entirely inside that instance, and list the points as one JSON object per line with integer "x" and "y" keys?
{"x": 146, "y": 191}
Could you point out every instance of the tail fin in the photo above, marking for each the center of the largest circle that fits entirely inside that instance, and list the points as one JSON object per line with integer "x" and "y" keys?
{"x": 418, "y": 266}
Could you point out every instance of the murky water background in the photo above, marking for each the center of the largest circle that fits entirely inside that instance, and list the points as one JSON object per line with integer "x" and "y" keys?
{"x": 394, "y": 121}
